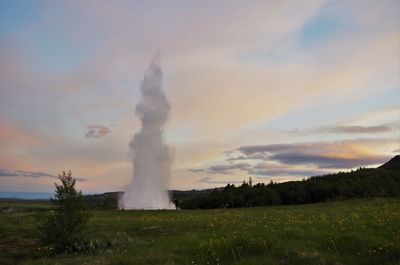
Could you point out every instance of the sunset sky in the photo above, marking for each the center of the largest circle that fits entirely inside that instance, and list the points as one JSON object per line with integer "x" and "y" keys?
{"x": 275, "y": 90}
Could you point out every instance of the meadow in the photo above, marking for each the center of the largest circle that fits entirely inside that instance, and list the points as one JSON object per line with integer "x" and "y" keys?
{"x": 365, "y": 231}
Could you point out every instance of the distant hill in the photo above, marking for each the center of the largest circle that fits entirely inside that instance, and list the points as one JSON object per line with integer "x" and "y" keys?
{"x": 110, "y": 199}
{"x": 392, "y": 164}
{"x": 25, "y": 195}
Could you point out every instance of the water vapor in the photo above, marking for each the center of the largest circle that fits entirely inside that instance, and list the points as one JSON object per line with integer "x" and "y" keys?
{"x": 151, "y": 157}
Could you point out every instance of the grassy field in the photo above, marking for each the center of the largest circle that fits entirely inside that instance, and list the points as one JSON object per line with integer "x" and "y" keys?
{"x": 348, "y": 232}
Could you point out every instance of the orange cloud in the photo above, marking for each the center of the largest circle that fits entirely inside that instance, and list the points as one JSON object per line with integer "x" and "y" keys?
{"x": 14, "y": 135}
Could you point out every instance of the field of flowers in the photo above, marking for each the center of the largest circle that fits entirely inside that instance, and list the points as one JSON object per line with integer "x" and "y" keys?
{"x": 347, "y": 232}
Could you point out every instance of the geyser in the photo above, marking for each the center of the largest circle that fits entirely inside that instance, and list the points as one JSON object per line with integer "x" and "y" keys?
{"x": 151, "y": 157}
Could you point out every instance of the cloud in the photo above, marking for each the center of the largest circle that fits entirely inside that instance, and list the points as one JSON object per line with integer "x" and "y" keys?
{"x": 357, "y": 129}
{"x": 196, "y": 170}
{"x": 24, "y": 173}
{"x": 326, "y": 161}
{"x": 12, "y": 134}
{"x": 209, "y": 180}
{"x": 225, "y": 169}
{"x": 261, "y": 169}
{"x": 301, "y": 159}
{"x": 96, "y": 131}
{"x": 31, "y": 174}
{"x": 323, "y": 155}
{"x": 268, "y": 169}
{"x": 222, "y": 169}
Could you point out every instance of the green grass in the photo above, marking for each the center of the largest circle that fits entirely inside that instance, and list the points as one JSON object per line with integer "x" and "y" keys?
{"x": 347, "y": 232}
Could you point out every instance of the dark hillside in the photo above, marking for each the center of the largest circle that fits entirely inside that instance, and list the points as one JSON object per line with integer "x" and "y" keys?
{"x": 109, "y": 200}
{"x": 392, "y": 164}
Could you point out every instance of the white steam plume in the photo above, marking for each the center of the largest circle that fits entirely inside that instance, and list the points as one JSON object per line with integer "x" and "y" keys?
{"x": 151, "y": 157}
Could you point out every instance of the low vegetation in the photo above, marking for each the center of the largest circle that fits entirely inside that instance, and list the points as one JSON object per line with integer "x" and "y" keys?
{"x": 365, "y": 231}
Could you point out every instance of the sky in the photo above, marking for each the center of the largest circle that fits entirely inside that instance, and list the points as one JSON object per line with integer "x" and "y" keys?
{"x": 273, "y": 90}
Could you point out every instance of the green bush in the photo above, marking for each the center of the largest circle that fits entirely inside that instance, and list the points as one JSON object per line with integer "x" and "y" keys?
{"x": 64, "y": 229}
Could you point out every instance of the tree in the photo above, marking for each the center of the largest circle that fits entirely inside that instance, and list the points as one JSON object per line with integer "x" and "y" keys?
{"x": 64, "y": 229}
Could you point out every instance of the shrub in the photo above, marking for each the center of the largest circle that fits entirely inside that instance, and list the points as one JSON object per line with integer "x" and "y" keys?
{"x": 63, "y": 230}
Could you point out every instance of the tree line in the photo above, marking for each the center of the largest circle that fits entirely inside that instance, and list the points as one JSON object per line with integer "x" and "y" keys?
{"x": 362, "y": 183}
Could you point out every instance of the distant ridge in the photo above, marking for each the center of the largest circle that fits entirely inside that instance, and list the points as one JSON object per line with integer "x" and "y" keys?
{"x": 26, "y": 195}
{"x": 392, "y": 164}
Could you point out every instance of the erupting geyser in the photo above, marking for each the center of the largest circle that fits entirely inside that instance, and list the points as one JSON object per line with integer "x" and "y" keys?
{"x": 151, "y": 157}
